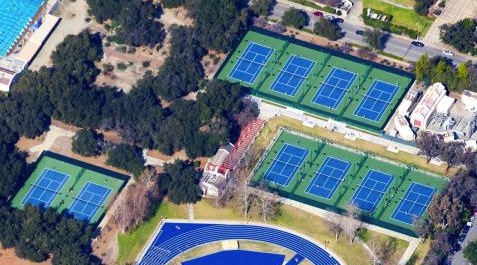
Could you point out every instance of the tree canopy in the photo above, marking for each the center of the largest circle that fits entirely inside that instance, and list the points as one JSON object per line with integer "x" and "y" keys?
{"x": 374, "y": 38}
{"x": 180, "y": 182}
{"x": 126, "y": 157}
{"x": 470, "y": 252}
{"x": 137, "y": 19}
{"x": 87, "y": 143}
{"x": 328, "y": 29}
{"x": 460, "y": 35}
{"x": 296, "y": 18}
{"x": 262, "y": 7}
{"x": 441, "y": 69}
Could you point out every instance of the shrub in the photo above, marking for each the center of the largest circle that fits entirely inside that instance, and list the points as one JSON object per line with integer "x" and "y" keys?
{"x": 121, "y": 66}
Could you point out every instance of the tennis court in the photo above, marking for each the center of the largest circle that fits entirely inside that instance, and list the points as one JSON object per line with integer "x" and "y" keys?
{"x": 371, "y": 190}
{"x": 251, "y": 63}
{"x": 332, "y": 177}
{"x": 292, "y": 75}
{"x": 286, "y": 164}
{"x": 65, "y": 184}
{"x": 329, "y": 177}
{"x": 45, "y": 189}
{"x": 89, "y": 200}
{"x": 377, "y": 100}
{"x": 334, "y": 88}
{"x": 414, "y": 204}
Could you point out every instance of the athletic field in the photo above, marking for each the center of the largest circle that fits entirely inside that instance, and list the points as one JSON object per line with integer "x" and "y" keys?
{"x": 66, "y": 184}
{"x": 332, "y": 177}
{"x": 316, "y": 80}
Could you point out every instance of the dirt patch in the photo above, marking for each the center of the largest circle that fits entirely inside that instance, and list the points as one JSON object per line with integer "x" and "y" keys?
{"x": 73, "y": 15}
{"x": 176, "y": 16}
{"x": 177, "y": 155}
{"x": 211, "y": 63}
{"x": 105, "y": 245}
{"x": 24, "y": 144}
{"x": 7, "y": 256}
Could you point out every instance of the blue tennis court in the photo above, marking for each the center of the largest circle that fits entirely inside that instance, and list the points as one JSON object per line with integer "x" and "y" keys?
{"x": 45, "y": 189}
{"x": 334, "y": 88}
{"x": 286, "y": 164}
{"x": 328, "y": 177}
{"x": 376, "y": 101}
{"x": 371, "y": 190}
{"x": 415, "y": 202}
{"x": 292, "y": 75}
{"x": 89, "y": 200}
{"x": 252, "y": 62}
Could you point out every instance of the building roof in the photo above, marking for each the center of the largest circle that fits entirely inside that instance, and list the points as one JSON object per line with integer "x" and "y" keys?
{"x": 428, "y": 103}
{"x": 38, "y": 38}
{"x": 221, "y": 155}
{"x": 445, "y": 104}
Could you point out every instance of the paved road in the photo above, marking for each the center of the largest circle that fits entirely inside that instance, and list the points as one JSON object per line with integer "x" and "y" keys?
{"x": 471, "y": 236}
{"x": 397, "y": 45}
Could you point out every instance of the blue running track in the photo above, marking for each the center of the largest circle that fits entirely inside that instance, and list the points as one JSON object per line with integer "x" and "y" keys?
{"x": 175, "y": 238}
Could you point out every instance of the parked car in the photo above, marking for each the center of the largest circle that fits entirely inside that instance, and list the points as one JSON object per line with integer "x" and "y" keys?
{"x": 318, "y": 14}
{"x": 417, "y": 43}
{"x": 360, "y": 32}
{"x": 338, "y": 20}
{"x": 448, "y": 53}
{"x": 462, "y": 238}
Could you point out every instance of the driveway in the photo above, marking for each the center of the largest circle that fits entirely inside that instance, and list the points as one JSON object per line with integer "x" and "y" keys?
{"x": 454, "y": 11}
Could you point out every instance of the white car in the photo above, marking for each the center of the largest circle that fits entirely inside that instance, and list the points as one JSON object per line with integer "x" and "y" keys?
{"x": 448, "y": 53}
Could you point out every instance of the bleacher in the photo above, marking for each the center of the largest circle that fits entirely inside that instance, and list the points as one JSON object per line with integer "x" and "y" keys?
{"x": 247, "y": 135}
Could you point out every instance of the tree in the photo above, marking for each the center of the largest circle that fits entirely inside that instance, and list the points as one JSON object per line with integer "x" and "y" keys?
{"x": 336, "y": 224}
{"x": 452, "y": 153}
{"x": 429, "y": 144}
{"x": 328, "y": 29}
{"x": 460, "y": 35}
{"x": 87, "y": 143}
{"x": 296, "y": 18}
{"x": 385, "y": 250}
{"x": 423, "y": 69}
{"x": 351, "y": 223}
{"x": 126, "y": 157}
{"x": 374, "y": 38}
{"x": 180, "y": 181}
{"x": 268, "y": 203}
{"x": 136, "y": 204}
{"x": 422, "y": 6}
{"x": 219, "y": 24}
{"x": 470, "y": 252}
{"x": 262, "y": 7}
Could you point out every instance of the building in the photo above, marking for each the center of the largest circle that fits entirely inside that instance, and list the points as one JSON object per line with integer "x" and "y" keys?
{"x": 469, "y": 99}
{"x": 9, "y": 70}
{"x": 427, "y": 105}
{"x": 218, "y": 169}
{"x": 408, "y": 102}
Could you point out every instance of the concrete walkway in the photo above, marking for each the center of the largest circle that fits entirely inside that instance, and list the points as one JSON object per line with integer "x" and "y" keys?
{"x": 51, "y": 136}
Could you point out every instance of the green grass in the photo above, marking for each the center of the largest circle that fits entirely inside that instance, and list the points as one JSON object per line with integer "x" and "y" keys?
{"x": 325, "y": 61}
{"x": 130, "y": 244}
{"x": 408, "y": 3}
{"x": 401, "y": 16}
{"x": 79, "y": 174}
{"x": 361, "y": 164}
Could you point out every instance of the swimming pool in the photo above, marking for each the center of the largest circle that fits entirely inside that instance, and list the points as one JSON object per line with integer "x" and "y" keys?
{"x": 15, "y": 15}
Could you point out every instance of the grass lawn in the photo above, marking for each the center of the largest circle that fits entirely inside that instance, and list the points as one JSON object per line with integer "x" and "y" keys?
{"x": 132, "y": 243}
{"x": 408, "y": 3}
{"x": 272, "y": 126}
{"x": 401, "y": 245}
{"x": 420, "y": 253}
{"x": 402, "y": 16}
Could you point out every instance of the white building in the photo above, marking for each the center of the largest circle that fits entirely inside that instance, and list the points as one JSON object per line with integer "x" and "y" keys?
{"x": 9, "y": 70}
{"x": 215, "y": 174}
{"x": 427, "y": 105}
